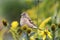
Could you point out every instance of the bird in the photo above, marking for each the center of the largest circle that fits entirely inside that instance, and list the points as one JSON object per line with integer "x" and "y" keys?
{"x": 25, "y": 19}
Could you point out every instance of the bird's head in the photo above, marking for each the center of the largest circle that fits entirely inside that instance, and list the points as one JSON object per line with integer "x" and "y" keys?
{"x": 24, "y": 14}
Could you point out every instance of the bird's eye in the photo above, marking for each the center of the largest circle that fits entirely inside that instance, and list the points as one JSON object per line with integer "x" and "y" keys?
{"x": 24, "y": 14}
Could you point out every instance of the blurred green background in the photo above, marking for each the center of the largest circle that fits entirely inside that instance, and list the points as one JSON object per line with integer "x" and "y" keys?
{"x": 37, "y": 9}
